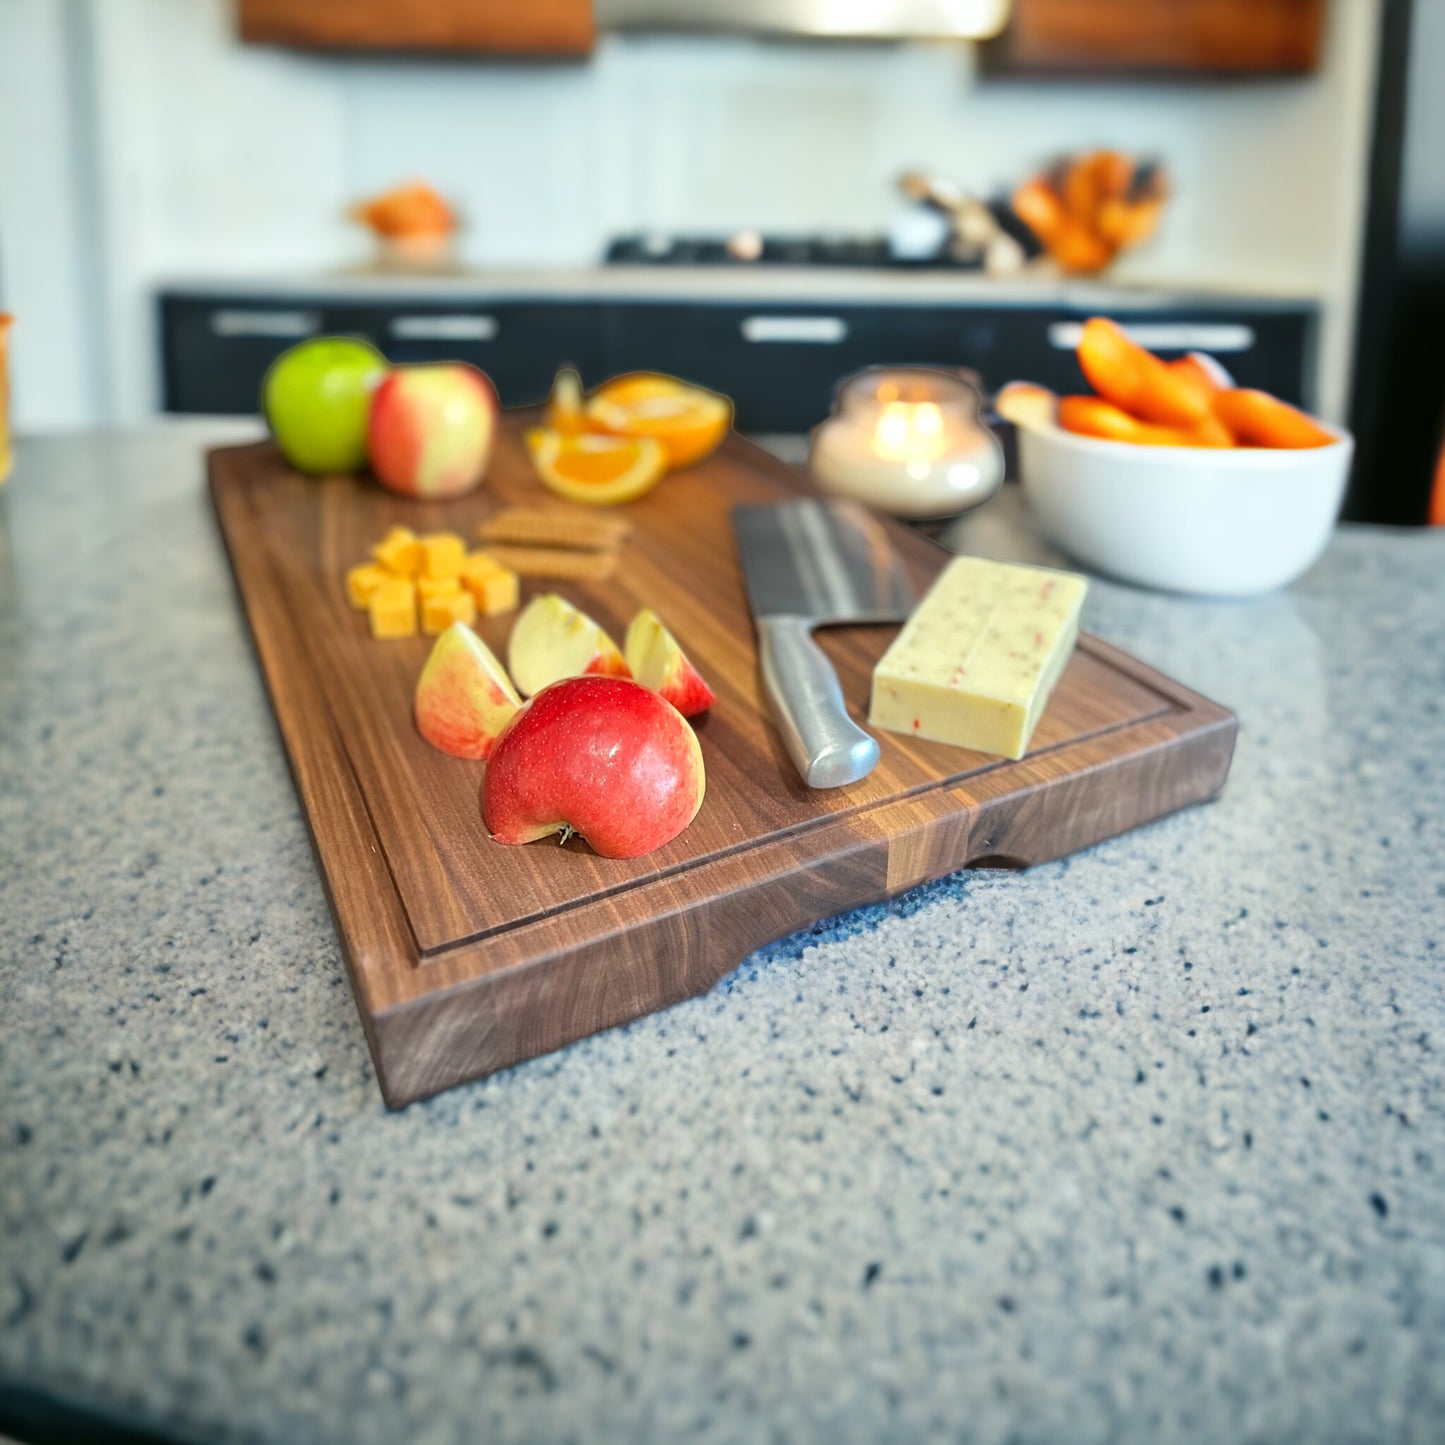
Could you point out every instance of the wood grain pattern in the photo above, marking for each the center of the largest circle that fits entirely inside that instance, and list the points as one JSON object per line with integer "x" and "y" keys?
{"x": 1218, "y": 37}
{"x": 502, "y": 27}
{"x": 466, "y": 956}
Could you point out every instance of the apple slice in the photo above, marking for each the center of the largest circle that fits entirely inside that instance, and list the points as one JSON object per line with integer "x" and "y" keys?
{"x": 656, "y": 661}
{"x": 1027, "y": 405}
{"x": 463, "y": 698}
{"x": 552, "y": 640}
{"x": 599, "y": 756}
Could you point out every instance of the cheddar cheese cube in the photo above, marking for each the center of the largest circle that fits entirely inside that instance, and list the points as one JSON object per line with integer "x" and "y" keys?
{"x": 442, "y": 554}
{"x": 436, "y": 586}
{"x": 399, "y": 552}
{"x": 440, "y": 610}
{"x": 494, "y": 586}
{"x": 392, "y": 609}
{"x": 478, "y": 563}
{"x": 362, "y": 581}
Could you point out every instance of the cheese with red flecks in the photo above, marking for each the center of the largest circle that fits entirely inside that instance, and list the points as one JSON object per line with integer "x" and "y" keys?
{"x": 975, "y": 663}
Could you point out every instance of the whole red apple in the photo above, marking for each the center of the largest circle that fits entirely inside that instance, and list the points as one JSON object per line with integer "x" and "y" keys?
{"x": 599, "y": 756}
{"x": 431, "y": 429}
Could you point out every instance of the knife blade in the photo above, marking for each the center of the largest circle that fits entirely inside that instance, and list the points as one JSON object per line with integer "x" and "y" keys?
{"x": 810, "y": 564}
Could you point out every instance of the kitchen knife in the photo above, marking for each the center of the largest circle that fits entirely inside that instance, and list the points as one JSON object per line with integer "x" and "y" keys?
{"x": 810, "y": 564}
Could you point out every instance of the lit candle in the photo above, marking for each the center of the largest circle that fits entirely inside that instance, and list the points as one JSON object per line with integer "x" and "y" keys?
{"x": 910, "y": 431}
{"x": 908, "y": 440}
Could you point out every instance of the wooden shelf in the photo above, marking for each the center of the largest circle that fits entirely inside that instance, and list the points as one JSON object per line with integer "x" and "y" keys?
{"x": 1201, "y": 37}
{"x": 471, "y": 27}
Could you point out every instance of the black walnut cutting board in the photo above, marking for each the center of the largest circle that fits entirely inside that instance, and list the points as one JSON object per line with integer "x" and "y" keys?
{"x": 466, "y": 956}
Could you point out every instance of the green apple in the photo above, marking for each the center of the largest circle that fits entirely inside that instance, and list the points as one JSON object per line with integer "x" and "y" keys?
{"x": 317, "y": 397}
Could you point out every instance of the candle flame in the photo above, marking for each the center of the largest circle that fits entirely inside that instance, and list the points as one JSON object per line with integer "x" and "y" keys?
{"x": 909, "y": 431}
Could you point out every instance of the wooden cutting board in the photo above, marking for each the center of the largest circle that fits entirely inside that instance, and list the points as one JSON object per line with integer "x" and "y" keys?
{"x": 466, "y": 956}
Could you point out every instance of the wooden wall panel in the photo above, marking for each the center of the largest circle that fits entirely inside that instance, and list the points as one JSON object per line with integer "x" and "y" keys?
{"x": 1219, "y": 37}
{"x": 476, "y": 27}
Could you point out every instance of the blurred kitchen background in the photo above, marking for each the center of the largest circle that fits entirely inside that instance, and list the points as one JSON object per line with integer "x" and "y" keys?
{"x": 176, "y": 176}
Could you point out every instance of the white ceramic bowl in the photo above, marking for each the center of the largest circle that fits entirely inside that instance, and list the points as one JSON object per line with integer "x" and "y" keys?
{"x": 1218, "y": 522}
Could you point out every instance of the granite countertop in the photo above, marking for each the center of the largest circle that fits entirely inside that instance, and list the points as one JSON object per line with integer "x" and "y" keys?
{"x": 1145, "y": 1145}
{"x": 800, "y": 285}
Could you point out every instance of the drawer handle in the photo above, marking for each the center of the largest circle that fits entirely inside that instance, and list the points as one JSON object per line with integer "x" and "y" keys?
{"x": 1165, "y": 335}
{"x": 265, "y": 323}
{"x": 444, "y": 328}
{"x": 815, "y": 330}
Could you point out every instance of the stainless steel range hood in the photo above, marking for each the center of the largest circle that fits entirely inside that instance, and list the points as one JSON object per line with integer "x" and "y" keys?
{"x": 838, "y": 19}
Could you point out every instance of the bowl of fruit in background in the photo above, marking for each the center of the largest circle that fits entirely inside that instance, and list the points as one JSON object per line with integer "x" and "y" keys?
{"x": 1171, "y": 477}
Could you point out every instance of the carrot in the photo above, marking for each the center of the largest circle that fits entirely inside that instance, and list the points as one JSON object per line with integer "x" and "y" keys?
{"x": 1081, "y": 190}
{"x": 1136, "y": 380}
{"x": 1039, "y": 209}
{"x": 1126, "y": 223}
{"x": 1078, "y": 249}
{"x": 1258, "y": 419}
{"x": 1211, "y": 432}
{"x": 1094, "y": 417}
{"x": 1113, "y": 173}
{"x": 1203, "y": 370}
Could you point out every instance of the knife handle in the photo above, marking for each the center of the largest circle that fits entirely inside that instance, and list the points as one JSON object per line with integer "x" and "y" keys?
{"x": 828, "y": 747}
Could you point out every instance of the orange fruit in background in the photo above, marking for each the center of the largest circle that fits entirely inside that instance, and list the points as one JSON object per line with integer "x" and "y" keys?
{"x": 634, "y": 385}
{"x": 599, "y": 470}
{"x": 688, "y": 422}
{"x": 565, "y": 407}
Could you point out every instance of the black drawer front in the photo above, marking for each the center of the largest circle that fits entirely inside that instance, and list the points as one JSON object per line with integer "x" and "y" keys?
{"x": 780, "y": 364}
{"x": 215, "y": 351}
{"x": 519, "y": 344}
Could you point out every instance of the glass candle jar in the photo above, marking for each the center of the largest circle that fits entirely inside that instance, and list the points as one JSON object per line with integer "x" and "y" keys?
{"x": 907, "y": 440}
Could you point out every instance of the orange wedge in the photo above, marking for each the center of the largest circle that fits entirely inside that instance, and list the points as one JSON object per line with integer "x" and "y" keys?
{"x": 688, "y": 421}
{"x": 601, "y": 470}
{"x": 564, "y": 407}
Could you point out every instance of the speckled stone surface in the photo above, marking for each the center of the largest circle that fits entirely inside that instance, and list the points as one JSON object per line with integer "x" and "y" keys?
{"x": 1147, "y": 1145}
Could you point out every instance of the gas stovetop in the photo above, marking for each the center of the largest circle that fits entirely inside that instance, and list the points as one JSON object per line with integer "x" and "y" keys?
{"x": 748, "y": 248}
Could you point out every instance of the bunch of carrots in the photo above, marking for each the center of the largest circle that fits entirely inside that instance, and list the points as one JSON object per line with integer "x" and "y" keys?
{"x": 1185, "y": 403}
{"x": 1088, "y": 208}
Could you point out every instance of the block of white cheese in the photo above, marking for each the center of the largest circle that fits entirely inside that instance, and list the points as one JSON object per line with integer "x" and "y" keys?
{"x": 975, "y": 663}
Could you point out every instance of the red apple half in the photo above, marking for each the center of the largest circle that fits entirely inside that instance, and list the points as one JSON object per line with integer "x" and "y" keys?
{"x": 463, "y": 698}
{"x": 599, "y": 756}
{"x": 656, "y": 661}
{"x": 552, "y": 639}
{"x": 431, "y": 429}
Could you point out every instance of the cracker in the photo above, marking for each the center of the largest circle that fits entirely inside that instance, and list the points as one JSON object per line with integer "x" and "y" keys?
{"x": 551, "y": 527}
{"x": 555, "y": 562}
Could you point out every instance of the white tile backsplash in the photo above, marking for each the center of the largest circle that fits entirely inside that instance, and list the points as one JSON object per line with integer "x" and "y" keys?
{"x": 223, "y": 158}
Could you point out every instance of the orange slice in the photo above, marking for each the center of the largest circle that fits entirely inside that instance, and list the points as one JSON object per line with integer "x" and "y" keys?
{"x": 688, "y": 421}
{"x": 564, "y": 407}
{"x": 601, "y": 470}
{"x": 634, "y": 385}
